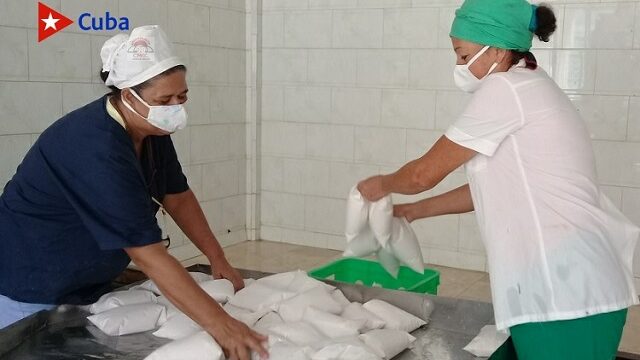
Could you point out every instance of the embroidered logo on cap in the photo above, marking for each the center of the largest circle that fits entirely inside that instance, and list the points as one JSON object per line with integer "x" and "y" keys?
{"x": 50, "y": 21}
{"x": 141, "y": 49}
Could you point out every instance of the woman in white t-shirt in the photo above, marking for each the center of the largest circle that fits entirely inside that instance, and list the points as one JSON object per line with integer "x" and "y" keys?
{"x": 559, "y": 252}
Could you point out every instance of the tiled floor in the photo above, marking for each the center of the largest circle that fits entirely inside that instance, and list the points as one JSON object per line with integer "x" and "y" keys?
{"x": 472, "y": 285}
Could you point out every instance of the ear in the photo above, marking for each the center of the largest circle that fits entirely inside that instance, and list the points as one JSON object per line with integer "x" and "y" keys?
{"x": 501, "y": 55}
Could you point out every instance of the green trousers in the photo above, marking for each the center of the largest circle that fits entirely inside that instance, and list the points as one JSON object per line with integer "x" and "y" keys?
{"x": 590, "y": 338}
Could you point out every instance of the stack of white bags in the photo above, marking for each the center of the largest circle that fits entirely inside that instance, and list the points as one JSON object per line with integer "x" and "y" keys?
{"x": 372, "y": 229}
{"x": 303, "y": 318}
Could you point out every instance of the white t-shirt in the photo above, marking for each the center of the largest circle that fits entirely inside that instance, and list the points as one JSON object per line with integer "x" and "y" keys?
{"x": 557, "y": 247}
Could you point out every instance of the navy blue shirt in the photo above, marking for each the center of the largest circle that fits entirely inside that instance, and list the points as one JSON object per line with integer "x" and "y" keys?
{"x": 79, "y": 197}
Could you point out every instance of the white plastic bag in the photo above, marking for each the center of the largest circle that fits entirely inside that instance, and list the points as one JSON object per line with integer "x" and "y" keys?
{"x": 128, "y": 319}
{"x": 296, "y": 281}
{"x": 380, "y": 219}
{"x": 345, "y": 350}
{"x": 331, "y": 325}
{"x": 258, "y": 296}
{"x": 363, "y": 244}
{"x": 220, "y": 290}
{"x": 298, "y": 333}
{"x": 394, "y": 317}
{"x": 280, "y": 349}
{"x": 149, "y": 285}
{"x": 339, "y": 297}
{"x": 178, "y": 327}
{"x": 405, "y": 245}
{"x": 268, "y": 321}
{"x": 116, "y": 299}
{"x": 199, "y": 346}
{"x": 486, "y": 342}
{"x": 292, "y": 310}
{"x": 248, "y": 317}
{"x": 387, "y": 343}
{"x": 389, "y": 261}
{"x": 357, "y": 214}
{"x": 171, "y": 310}
{"x": 355, "y": 311}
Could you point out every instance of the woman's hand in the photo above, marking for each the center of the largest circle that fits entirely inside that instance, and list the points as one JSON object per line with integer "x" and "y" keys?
{"x": 221, "y": 269}
{"x": 406, "y": 211}
{"x": 237, "y": 339}
{"x": 372, "y": 188}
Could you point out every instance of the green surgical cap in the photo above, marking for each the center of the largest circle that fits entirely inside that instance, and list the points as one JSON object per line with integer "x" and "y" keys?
{"x": 505, "y": 24}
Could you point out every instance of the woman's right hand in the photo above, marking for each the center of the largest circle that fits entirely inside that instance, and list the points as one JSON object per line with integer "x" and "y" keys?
{"x": 406, "y": 211}
{"x": 237, "y": 339}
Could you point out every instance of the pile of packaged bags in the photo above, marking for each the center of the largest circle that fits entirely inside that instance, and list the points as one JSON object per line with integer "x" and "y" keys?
{"x": 372, "y": 229}
{"x": 303, "y": 318}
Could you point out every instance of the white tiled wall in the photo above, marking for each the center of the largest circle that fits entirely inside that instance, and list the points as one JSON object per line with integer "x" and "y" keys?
{"x": 61, "y": 74}
{"x": 352, "y": 88}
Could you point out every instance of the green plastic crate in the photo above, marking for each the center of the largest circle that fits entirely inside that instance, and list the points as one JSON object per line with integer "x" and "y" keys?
{"x": 371, "y": 273}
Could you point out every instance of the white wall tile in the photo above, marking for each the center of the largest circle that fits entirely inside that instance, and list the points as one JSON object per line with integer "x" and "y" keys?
{"x": 205, "y": 65}
{"x": 357, "y": 28}
{"x": 573, "y": 70}
{"x": 356, "y": 106}
{"x": 430, "y": 3}
{"x": 383, "y": 3}
{"x": 332, "y": 142}
{"x": 64, "y": 57}
{"x": 13, "y": 149}
{"x": 380, "y": 146}
{"x": 14, "y": 60}
{"x": 447, "y": 14}
{"x": 272, "y": 175}
{"x": 309, "y": 177}
{"x": 618, "y": 163}
{"x": 634, "y": 119}
{"x": 17, "y": 110}
{"x": 439, "y": 232}
{"x": 274, "y": 133}
{"x": 237, "y": 67}
{"x": 324, "y": 215}
{"x": 272, "y": 103}
{"x": 194, "y": 178}
{"x": 307, "y": 104}
{"x": 227, "y": 104}
{"x": 145, "y": 12}
{"x": 419, "y": 142}
{"x": 411, "y": 28}
{"x": 470, "y": 238}
{"x": 284, "y": 4}
{"x": 449, "y": 106}
{"x": 283, "y": 209}
{"x": 196, "y": 30}
{"x": 22, "y": 13}
{"x": 76, "y": 95}
{"x": 307, "y": 29}
{"x": 606, "y": 116}
{"x": 272, "y": 29}
{"x": 413, "y": 109}
{"x": 332, "y": 66}
{"x": 383, "y": 68}
{"x": 213, "y": 212}
{"x": 631, "y": 204}
{"x": 228, "y": 28}
{"x": 284, "y": 65}
{"x": 182, "y": 143}
{"x": 210, "y": 143}
{"x": 636, "y": 37}
{"x": 96, "y": 62}
{"x": 603, "y": 26}
{"x": 198, "y": 105}
{"x": 616, "y": 72}
{"x": 333, "y": 4}
{"x": 432, "y": 69}
{"x": 233, "y": 213}
{"x": 343, "y": 176}
{"x": 220, "y": 180}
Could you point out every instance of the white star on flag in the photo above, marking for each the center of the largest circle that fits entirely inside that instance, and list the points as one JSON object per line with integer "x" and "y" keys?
{"x": 51, "y": 22}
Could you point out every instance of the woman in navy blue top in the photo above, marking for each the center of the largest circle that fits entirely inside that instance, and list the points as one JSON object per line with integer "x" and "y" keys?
{"x": 82, "y": 203}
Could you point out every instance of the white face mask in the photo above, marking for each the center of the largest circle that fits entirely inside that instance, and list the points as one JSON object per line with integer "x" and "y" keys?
{"x": 166, "y": 117}
{"x": 465, "y": 79}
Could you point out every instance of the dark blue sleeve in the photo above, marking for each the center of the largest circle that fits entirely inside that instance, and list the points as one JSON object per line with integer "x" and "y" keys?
{"x": 176, "y": 180}
{"x": 101, "y": 178}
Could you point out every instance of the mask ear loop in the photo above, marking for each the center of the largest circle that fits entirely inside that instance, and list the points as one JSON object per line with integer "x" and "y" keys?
{"x": 165, "y": 235}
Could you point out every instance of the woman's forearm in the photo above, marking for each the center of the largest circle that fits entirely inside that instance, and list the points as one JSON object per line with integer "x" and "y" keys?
{"x": 456, "y": 201}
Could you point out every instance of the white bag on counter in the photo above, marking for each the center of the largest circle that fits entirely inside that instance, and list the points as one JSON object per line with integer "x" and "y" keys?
{"x": 355, "y": 311}
{"x": 387, "y": 343}
{"x": 178, "y": 327}
{"x": 486, "y": 342}
{"x": 171, "y": 310}
{"x": 296, "y": 281}
{"x": 298, "y": 333}
{"x": 380, "y": 216}
{"x": 116, "y": 299}
{"x": 248, "y": 317}
{"x": 405, "y": 245}
{"x": 280, "y": 349}
{"x": 394, "y": 317}
{"x": 268, "y": 321}
{"x": 258, "y": 296}
{"x": 331, "y": 325}
{"x": 357, "y": 214}
{"x": 292, "y": 310}
{"x": 149, "y": 285}
{"x": 199, "y": 346}
{"x": 389, "y": 262}
{"x": 128, "y": 319}
{"x": 339, "y": 297}
{"x": 352, "y": 349}
{"x": 220, "y": 290}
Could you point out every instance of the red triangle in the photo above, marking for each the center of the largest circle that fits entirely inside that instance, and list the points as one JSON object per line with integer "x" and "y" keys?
{"x": 44, "y": 13}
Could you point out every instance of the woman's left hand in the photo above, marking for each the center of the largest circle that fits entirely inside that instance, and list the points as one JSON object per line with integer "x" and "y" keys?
{"x": 221, "y": 269}
{"x": 372, "y": 189}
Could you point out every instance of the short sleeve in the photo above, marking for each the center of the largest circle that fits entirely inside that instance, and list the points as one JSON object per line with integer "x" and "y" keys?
{"x": 101, "y": 179}
{"x": 493, "y": 113}
{"x": 176, "y": 180}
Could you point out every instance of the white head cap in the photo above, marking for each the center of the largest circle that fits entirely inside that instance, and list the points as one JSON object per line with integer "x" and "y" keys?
{"x": 136, "y": 58}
